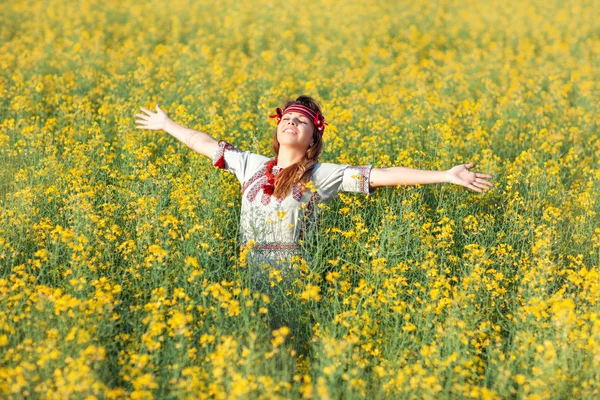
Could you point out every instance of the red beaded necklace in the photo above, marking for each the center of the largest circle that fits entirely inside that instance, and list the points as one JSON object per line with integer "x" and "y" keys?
{"x": 269, "y": 186}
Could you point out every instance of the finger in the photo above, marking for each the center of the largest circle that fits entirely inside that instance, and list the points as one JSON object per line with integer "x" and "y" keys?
{"x": 157, "y": 107}
{"x": 143, "y": 116}
{"x": 483, "y": 181}
{"x": 470, "y": 165}
{"x": 487, "y": 187}
{"x": 484, "y": 176}
{"x": 475, "y": 188}
{"x": 141, "y": 122}
{"x": 147, "y": 111}
{"x": 483, "y": 185}
{"x": 480, "y": 185}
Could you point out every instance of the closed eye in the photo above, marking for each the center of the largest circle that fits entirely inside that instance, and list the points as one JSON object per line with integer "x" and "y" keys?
{"x": 301, "y": 121}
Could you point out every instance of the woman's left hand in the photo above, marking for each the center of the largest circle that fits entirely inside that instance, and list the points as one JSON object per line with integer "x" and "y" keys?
{"x": 460, "y": 175}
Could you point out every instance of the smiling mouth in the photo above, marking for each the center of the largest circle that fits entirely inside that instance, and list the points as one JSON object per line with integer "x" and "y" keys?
{"x": 290, "y": 131}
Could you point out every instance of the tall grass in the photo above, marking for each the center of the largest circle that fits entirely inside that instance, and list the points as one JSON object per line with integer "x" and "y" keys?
{"x": 120, "y": 270}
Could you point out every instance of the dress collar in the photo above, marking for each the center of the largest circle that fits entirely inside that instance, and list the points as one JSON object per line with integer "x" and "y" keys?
{"x": 276, "y": 169}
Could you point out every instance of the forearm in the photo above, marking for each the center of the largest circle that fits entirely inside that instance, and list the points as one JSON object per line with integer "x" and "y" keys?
{"x": 198, "y": 141}
{"x": 394, "y": 176}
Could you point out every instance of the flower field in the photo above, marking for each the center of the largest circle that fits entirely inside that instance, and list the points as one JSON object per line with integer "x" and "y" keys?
{"x": 121, "y": 275}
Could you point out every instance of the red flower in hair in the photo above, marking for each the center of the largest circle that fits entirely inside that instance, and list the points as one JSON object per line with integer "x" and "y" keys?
{"x": 319, "y": 122}
{"x": 278, "y": 115}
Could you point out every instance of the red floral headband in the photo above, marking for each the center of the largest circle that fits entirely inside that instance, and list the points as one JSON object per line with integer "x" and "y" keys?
{"x": 316, "y": 117}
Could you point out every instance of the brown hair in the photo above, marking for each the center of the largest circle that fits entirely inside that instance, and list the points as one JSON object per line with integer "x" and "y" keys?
{"x": 301, "y": 171}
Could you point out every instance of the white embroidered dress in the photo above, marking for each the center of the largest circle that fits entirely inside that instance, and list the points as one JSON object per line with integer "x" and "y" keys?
{"x": 278, "y": 226}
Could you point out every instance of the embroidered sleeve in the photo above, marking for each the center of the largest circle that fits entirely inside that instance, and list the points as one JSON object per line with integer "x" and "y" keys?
{"x": 219, "y": 157}
{"x": 241, "y": 163}
{"x": 331, "y": 179}
{"x": 356, "y": 179}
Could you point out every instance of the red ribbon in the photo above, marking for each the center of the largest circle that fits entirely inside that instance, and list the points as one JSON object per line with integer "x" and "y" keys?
{"x": 319, "y": 122}
{"x": 278, "y": 114}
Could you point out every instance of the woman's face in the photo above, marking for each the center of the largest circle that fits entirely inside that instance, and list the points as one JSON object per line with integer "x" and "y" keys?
{"x": 295, "y": 130}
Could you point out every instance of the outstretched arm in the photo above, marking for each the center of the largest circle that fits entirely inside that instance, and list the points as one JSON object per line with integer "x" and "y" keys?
{"x": 458, "y": 175}
{"x": 198, "y": 141}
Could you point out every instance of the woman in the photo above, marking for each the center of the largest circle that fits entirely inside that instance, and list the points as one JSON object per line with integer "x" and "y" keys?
{"x": 280, "y": 195}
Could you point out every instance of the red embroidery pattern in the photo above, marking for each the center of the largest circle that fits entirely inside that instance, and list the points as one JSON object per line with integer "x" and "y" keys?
{"x": 296, "y": 195}
{"x": 274, "y": 251}
{"x": 219, "y": 158}
{"x": 364, "y": 172}
{"x": 253, "y": 192}
{"x": 273, "y": 246}
{"x": 258, "y": 180}
{"x": 266, "y": 198}
{"x": 260, "y": 173}
{"x": 297, "y": 192}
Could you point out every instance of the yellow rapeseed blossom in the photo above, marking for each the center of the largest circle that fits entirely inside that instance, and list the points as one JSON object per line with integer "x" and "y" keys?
{"x": 119, "y": 246}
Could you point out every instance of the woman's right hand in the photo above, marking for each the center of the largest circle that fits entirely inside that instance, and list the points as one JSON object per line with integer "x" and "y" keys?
{"x": 152, "y": 120}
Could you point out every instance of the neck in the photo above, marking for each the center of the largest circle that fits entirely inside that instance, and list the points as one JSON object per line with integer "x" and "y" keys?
{"x": 287, "y": 157}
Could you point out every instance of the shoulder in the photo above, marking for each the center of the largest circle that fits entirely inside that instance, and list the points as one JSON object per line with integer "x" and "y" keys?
{"x": 327, "y": 178}
{"x": 242, "y": 163}
{"x": 325, "y": 169}
{"x": 257, "y": 158}
{"x": 333, "y": 178}
{"x": 226, "y": 148}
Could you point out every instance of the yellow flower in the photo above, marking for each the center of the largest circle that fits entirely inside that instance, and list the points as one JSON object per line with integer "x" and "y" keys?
{"x": 311, "y": 292}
